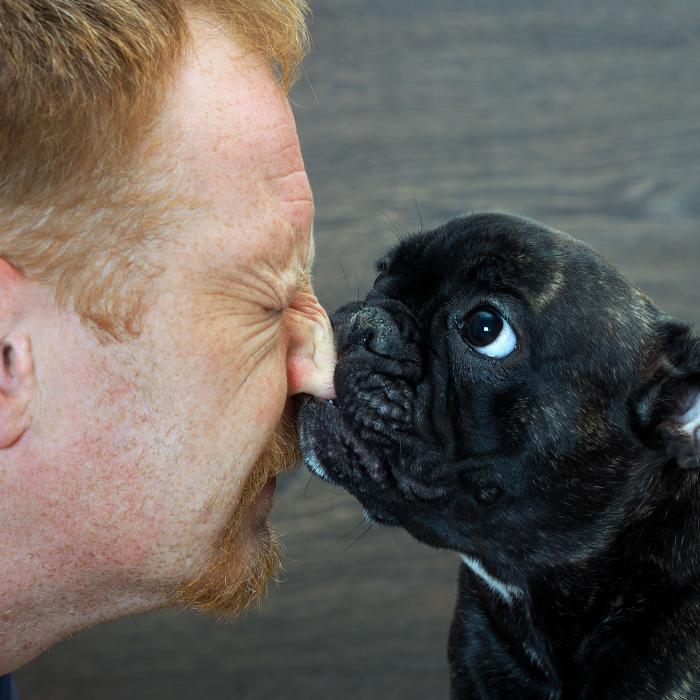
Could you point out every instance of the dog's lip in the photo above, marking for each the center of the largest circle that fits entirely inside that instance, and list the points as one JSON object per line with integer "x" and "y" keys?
{"x": 334, "y": 420}
{"x": 322, "y": 405}
{"x": 330, "y": 416}
{"x": 324, "y": 412}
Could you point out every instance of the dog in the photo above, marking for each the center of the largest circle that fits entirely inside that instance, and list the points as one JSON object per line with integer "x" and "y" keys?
{"x": 503, "y": 392}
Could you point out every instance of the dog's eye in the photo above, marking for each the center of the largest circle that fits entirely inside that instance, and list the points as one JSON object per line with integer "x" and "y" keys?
{"x": 488, "y": 333}
{"x": 381, "y": 269}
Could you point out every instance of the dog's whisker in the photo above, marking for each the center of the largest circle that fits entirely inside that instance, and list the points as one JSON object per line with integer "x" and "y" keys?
{"x": 345, "y": 277}
{"x": 308, "y": 483}
{"x": 393, "y": 225}
{"x": 357, "y": 539}
{"x": 420, "y": 217}
{"x": 353, "y": 529}
{"x": 333, "y": 497}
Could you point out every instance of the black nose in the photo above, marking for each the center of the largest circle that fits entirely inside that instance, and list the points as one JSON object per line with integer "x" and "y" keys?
{"x": 374, "y": 329}
{"x": 380, "y": 338}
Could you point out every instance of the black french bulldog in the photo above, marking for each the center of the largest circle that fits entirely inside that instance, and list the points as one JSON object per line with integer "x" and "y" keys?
{"x": 503, "y": 392}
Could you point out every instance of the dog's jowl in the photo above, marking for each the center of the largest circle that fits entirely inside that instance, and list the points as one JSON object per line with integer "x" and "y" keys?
{"x": 505, "y": 393}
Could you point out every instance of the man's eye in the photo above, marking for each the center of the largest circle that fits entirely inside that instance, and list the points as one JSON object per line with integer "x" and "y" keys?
{"x": 488, "y": 333}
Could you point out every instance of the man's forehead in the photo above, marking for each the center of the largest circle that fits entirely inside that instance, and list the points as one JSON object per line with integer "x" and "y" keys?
{"x": 225, "y": 105}
{"x": 229, "y": 137}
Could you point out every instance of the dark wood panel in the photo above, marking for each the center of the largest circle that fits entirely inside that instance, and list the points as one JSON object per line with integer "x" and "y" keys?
{"x": 584, "y": 115}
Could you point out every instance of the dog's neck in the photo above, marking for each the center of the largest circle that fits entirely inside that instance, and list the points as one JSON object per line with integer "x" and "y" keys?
{"x": 568, "y": 614}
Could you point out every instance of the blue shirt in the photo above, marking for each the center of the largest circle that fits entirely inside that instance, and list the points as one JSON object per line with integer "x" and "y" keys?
{"x": 7, "y": 689}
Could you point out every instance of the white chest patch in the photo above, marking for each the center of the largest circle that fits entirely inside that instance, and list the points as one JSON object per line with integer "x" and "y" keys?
{"x": 690, "y": 421}
{"x": 505, "y": 590}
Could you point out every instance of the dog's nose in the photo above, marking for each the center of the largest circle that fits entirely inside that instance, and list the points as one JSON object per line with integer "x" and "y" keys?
{"x": 378, "y": 337}
{"x": 374, "y": 329}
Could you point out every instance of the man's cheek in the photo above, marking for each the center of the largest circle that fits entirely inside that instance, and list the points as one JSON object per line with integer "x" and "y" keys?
{"x": 216, "y": 371}
{"x": 255, "y": 398}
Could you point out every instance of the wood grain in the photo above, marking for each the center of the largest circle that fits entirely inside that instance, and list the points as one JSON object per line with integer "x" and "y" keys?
{"x": 583, "y": 115}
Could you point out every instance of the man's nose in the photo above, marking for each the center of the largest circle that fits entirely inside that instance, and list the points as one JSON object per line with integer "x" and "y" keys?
{"x": 311, "y": 348}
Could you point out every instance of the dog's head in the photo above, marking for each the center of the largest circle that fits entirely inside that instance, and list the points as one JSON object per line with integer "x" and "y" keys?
{"x": 503, "y": 391}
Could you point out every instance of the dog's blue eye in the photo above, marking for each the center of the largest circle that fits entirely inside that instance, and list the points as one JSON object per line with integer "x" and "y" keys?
{"x": 488, "y": 333}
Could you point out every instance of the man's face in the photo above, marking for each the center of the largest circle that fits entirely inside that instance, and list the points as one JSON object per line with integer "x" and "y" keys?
{"x": 163, "y": 456}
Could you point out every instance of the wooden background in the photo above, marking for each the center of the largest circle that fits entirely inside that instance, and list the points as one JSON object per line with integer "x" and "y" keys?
{"x": 584, "y": 115}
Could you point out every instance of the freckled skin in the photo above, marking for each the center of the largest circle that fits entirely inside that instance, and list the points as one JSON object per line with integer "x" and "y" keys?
{"x": 137, "y": 453}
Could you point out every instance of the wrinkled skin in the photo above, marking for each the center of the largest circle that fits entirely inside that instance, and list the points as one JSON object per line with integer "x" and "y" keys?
{"x": 556, "y": 471}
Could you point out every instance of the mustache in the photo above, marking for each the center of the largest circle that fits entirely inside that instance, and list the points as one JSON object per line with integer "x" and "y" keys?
{"x": 229, "y": 584}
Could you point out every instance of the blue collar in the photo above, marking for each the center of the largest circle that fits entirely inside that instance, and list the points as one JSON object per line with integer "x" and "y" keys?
{"x": 7, "y": 689}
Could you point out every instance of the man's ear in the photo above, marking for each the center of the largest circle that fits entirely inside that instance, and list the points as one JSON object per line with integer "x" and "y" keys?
{"x": 667, "y": 408}
{"x": 17, "y": 376}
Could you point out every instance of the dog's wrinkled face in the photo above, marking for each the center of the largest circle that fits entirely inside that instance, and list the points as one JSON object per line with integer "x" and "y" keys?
{"x": 498, "y": 393}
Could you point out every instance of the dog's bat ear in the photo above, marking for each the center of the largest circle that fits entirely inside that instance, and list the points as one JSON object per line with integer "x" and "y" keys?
{"x": 667, "y": 408}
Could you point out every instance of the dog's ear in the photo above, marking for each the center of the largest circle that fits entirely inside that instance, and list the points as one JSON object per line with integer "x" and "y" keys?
{"x": 667, "y": 408}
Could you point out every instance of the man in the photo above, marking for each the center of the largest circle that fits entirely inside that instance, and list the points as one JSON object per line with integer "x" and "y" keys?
{"x": 156, "y": 314}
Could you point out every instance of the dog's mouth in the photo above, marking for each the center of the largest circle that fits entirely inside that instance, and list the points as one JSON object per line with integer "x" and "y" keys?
{"x": 369, "y": 438}
{"x": 333, "y": 452}
{"x": 332, "y": 448}
{"x": 367, "y": 448}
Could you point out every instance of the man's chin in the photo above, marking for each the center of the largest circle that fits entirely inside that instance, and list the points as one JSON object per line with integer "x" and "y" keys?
{"x": 247, "y": 554}
{"x": 233, "y": 581}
